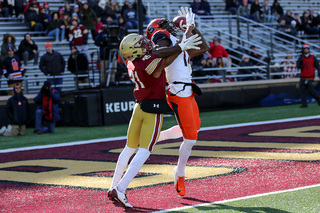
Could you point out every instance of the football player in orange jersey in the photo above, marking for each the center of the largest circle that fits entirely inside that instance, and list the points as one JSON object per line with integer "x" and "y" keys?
{"x": 146, "y": 71}
{"x": 181, "y": 90}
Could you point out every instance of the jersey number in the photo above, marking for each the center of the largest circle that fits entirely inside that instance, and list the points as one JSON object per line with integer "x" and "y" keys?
{"x": 135, "y": 79}
{"x": 77, "y": 33}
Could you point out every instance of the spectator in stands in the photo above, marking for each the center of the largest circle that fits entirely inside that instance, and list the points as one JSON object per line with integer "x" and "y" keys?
{"x": 52, "y": 64}
{"x": 12, "y": 69}
{"x": 123, "y": 30}
{"x": 198, "y": 63}
{"x": 16, "y": 6}
{"x": 8, "y": 40}
{"x": 289, "y": 67}
{"x": 307, "y": 25}
{"x": 60, "y": 12}
{"x": 311, "y": 17}
{"x": 100, "y": 11}
{"x": 103, "y": 41}
{"x": 282, "y": 27}
{"x": 205, "y": 6}
{"x": 18, "y": 112}
{"x": 88, "y": 19}
{"x": 146, "y": 18}
{"x": 10, "y": 5}
{"x": 32, "y": 20}
{"x": 246, "y": 62}
{"x": 66, "y": 21}
{"x": 292, "y": 29}
{"x": 28, "y": 50}
{"x": 218, "y": 64}
{"x": 4, "y": 10}
{"x": 254, "y": 54}
{"x": 288, "y": 17}
{"x": 99, "y": 26}
{"x": 36, "y": 6}
{"x": 79, "y": 5}
{"x": 231, "y": 6}
{"x": 76, "y": 13}
{"x": 317, "y": 20}
{"x": 130, "y": 17}
{"x": 124, "y": 7}
{"x": 47, "y": 9}
{"x": 56, "y": 28}
{"x": 308, "y": 63}
{"x": 256, "y": 10}
{"x": 67, "y": 9}
{"x": 267, "y": 13}
{"x": 277, "y": 10}
{"x": 216, "y": 50}
{"x": 43, "y": 19}
{"x": 78, "y": 64}
{"x": 298, "y": 23}
{"x": 47, "y": 102}
{"x": 113, "y": 9}
{"x": 195, "y": 6}
{"x": 243, "y": 10}
{"x": 78, "y": 36}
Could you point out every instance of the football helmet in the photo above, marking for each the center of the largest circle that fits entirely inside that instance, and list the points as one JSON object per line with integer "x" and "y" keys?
{"x": 135, "y": 46}
{"x": 160, "y": 24}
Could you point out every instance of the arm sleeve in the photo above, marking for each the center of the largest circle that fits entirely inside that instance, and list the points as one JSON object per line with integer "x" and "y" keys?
{"x": 299, "y": 62}
{"x": 316, "y": 64}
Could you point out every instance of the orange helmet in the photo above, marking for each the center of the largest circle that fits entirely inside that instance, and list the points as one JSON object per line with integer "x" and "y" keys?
{"x": 160, "y": 24}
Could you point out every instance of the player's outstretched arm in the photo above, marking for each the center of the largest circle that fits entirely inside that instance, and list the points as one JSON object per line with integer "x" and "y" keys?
{"x": 203, "y": 47}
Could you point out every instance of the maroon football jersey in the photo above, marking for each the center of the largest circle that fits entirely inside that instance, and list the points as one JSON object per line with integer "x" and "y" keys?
{"x": 146, "y": 86}
{"x": 78, "y": 34}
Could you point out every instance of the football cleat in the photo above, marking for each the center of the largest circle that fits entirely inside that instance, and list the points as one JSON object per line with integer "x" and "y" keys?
{"x": 120, "y": 197}
{"x": 110, "y": 195}
{"x": 179, "y": 183}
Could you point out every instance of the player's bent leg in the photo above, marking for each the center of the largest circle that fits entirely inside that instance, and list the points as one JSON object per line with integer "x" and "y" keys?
{"x": 171, "y": 133}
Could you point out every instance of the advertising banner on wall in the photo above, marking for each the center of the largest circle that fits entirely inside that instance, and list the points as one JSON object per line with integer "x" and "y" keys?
{"x": 117, "y": 104}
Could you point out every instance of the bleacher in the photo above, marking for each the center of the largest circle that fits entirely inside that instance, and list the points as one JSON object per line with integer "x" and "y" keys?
{"x": 236, "y": 34}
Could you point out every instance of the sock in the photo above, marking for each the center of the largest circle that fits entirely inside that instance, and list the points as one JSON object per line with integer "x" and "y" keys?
{"x": 184, "y": 153}
{"x": 134, "y": 167}
{"x": 171, "y": 133}
{"x": 122, "y": 164}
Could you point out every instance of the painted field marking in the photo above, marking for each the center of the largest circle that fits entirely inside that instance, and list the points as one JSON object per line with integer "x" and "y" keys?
{"x": 237, "y": 199}
{"x": 124, "y": 137}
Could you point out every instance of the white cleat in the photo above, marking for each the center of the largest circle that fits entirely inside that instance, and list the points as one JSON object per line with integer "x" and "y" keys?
{"x": 120, "y": 197}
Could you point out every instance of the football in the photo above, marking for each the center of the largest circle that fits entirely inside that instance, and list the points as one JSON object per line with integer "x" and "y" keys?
{"x": 180, "y": 22}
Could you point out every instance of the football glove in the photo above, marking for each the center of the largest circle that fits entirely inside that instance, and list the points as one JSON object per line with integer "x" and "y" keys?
{"x": 190, "y": 43}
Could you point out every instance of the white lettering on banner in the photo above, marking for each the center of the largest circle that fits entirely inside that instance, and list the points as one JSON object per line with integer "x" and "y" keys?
{"x": 120, "y": 106}
{"x": 116, "y": 107}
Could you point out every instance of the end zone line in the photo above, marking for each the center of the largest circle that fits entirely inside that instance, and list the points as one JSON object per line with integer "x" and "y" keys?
{"x": 237, "y": 199}
{"x": 124, "y": 137}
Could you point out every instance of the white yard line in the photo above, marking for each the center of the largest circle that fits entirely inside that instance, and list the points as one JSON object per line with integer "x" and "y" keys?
{"x": 237, "y": 199}
{"x": 124, "y": 137}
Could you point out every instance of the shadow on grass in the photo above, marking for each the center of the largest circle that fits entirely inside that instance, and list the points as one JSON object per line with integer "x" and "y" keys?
{"x": 226, "y": 208}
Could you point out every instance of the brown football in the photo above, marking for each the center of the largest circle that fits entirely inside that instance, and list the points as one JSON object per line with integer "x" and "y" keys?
{"x": 180, "y": 22}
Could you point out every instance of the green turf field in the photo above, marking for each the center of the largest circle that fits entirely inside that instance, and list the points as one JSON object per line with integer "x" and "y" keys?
{"x": 298, "y": 201}
{"x": 214, "y": 118}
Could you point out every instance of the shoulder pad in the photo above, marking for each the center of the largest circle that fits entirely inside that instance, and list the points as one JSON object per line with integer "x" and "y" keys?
{"x": 160, "y": 35}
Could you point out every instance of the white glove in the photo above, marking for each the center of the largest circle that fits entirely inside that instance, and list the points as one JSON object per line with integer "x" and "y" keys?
{"x": 190, "y": 43}
{"x": 187, "y": 12}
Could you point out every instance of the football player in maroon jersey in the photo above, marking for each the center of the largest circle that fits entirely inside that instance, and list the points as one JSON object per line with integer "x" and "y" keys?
{"x": 146, "y": 71}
